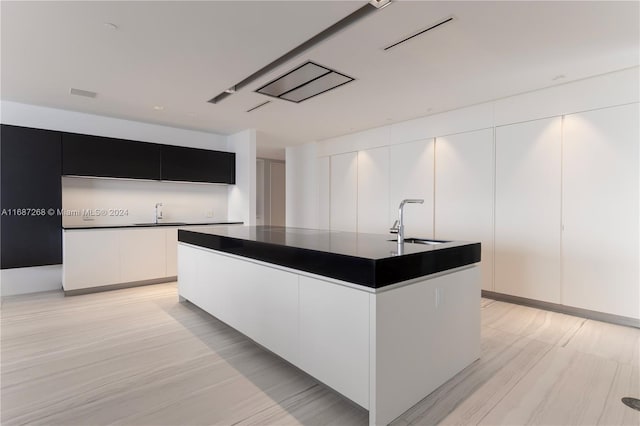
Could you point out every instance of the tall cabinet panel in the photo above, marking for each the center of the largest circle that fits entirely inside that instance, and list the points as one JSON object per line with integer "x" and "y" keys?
{"x": 464, "y": 193}
{"x": 527, "y": 215}
{"x": 600, "y": 249}
{"x": 324, "y": 192}
{"x": 344, "y": 192}
{"x": 373, "y": 190}
{"x": 30, "y": 197}
{"x": 411, "y": 176}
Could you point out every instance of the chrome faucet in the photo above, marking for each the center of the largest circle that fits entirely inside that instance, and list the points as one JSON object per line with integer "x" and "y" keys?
{"x": 398, "y": 226}
{"x": 158, "y": 212}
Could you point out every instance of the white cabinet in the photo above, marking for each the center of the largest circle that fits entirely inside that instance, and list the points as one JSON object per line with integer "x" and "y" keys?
{"x": 260, "y": 302}
{"x": 91, "y": 258}
{"x": 373, "y": 191}
{"x": 143, "y": 254}
{"x": 334, "y": 336}
{"x": 324, "y": 193}
{"x": 600, "y": 248}
{"x": 344, "y": 192}
{"x": 411, "y": 176}
{"x": 172, "y": 252}
{"x": 527, "y": 215}
{"x": 464, "y": 193}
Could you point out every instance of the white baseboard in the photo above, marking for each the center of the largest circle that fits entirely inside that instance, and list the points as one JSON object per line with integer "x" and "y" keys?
{"x": 30, "y": 280}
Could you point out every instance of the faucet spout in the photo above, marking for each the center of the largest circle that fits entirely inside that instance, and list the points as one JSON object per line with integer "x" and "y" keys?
{"x": 401, "y": 217}
{"x": 158, "y": 212}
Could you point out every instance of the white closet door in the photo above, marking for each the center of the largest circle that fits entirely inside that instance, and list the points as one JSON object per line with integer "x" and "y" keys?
{"x": 373, "y": 191}
{"x": 527, "y": 218}
{"x": 324, "y": 193}
{"x": 600, "y": 248}
{"x": 411, "y": 176}
{"x": 344, "y": 192}
{"x": 464, "y": 193}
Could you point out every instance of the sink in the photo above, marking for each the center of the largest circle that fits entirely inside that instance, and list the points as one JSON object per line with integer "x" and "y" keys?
{"x": 420, "y": 241}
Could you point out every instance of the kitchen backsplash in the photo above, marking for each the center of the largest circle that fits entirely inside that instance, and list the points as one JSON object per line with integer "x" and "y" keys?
{"x": 94, "y": 201}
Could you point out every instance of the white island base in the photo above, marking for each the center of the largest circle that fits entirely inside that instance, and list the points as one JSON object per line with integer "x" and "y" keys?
{"x": 385, "y": 349}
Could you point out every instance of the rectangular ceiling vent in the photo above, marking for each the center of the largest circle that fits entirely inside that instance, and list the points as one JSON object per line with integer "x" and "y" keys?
{"x": 419, "y": 33}
{"x": 304, "y": 82}
{"x": 85, "y": 93}
{"x": 258, "y": 106}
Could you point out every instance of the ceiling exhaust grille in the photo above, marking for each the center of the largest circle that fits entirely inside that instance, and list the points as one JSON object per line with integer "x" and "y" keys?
{"x": 304, "y": 82}
{"x": 258, "y": 106}
{"x": 85, "y": 93}
{"x": 432, "y": 27}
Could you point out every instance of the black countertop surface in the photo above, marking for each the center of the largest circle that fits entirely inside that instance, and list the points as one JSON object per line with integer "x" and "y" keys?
{"x": 366, "y": 259}
{"x": 148, "y": 225}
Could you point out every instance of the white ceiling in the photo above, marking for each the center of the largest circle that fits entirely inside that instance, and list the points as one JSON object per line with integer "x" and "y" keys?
{"x": 180, "y": 54}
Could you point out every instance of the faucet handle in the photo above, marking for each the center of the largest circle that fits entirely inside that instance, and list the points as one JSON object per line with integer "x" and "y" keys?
{"x": 394, "y": 228}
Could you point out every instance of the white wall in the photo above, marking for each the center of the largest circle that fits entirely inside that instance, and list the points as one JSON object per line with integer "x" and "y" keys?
{"x": 594, "y": 94}
{"x": 301, "y": 186}
{"x": 39, "y": 117}
{"x": 242, "y": 195}
{"x": 182, "y": 202}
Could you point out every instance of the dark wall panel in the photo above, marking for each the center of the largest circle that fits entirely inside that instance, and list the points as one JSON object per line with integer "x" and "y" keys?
{"x": 30, "y": 171}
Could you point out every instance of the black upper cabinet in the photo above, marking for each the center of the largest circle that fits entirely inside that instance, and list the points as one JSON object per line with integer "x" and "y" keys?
{"x": 198, "y": 165}
{"x": 30, "y": 197}
{"x": 84, "y": 155}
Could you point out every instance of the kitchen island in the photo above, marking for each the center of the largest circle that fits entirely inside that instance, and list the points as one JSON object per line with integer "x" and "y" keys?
{"x": 381, "y": 323}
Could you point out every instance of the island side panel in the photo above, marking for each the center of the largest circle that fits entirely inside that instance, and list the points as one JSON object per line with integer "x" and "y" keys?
{"x": 334, "y": 337}
{"x": 258, "y": 301}
{"x": 421, "y": 336}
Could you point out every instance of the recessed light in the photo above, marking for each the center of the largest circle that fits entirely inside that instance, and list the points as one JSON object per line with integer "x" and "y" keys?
{"x": 231, "y": 90}
{"x": 380, "y": 4}
{"x": 110, "y": 26}
{"x": 158, "y": 107}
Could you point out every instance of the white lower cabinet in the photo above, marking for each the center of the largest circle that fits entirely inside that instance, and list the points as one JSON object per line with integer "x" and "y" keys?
{"x": 143, "y": 254}
{"x": 260, "y": 302}
{"x": 334, "y": 337}
{"x": 102, "y": 257}
{"x": 91, "y": 258}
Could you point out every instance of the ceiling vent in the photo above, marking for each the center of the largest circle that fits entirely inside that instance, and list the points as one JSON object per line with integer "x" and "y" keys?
{"x": 258, "y": 106}
{"x": 419, "y": 33}
{"x": 304, "y": 82}
{"x": 85, "y": 93}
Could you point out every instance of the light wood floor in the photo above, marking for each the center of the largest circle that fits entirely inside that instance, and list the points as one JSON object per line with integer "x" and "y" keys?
{"x": 139, "y": 357}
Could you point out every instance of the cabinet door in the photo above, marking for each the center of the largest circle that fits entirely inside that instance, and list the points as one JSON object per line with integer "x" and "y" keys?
{"x": 84, "y": 155}
{"x": 464, "y": 193}
{"x": 411, "y": 176}
{"x": 335, "y": 347}
{"x": 198, "y": 165}
{"x": 527, "y": 221}
{"x": 373, "y": 191}
{"x": 259, "y": 301}
{"x": 344, "y": 192}
{"x": 324, "y": 193}
{"x": 172, "y": 252}
{"x": 142, "y": 254}
{"x": 30, "y": 179}
{"x": 91, "y": 258}
{"x": 600, "y": 246}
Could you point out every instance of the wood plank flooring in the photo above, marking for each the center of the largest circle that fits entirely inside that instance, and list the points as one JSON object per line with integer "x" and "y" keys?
{"x": 138, "y": 357}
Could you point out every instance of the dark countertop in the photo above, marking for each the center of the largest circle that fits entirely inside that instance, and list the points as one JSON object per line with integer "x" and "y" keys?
{"x": 366, "y": 259}
{"x": 148, "y": 225}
